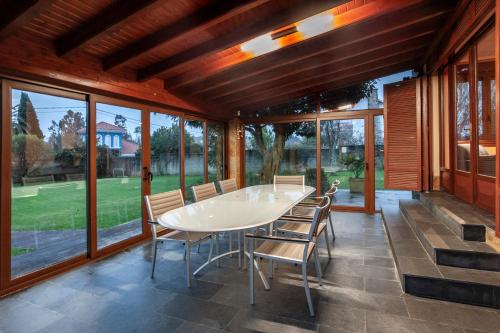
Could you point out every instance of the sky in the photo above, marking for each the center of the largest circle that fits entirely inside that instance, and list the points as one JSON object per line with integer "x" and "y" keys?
{"x": 54, "y": 108}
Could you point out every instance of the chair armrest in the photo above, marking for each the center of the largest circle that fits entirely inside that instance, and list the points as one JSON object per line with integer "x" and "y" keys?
{"x": 153, "y": 222}
{"x": 277, "y": 238}
{"x": 294, "y": 219}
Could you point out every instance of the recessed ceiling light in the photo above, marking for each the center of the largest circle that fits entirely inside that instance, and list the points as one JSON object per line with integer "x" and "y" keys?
{"x": 316, "y": 25}
{"x": 260, "y": 45}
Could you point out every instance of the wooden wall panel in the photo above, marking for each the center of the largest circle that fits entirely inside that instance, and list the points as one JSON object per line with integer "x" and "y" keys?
{"x": 403, "y": 158}
{"x": 486, "y": 195}
{"x": 463, "y": 186}
{"x": 497, "y": 104}
{"x": 27, "y": 57}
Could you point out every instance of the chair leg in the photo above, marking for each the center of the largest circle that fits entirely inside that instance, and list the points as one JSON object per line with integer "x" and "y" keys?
{"x": 250, "y": 273}
{"x": 239, "y": 249}
{"x": 210, "y": 251}
{"x": 188, "y": 264}
{"x": 199, "y": 244}
{"x": 230, "y": 243}
{"x": 217, "y": 248}
{"x": 319, "y": 273}
{"x": 306, "y": 287}
{"x": 185, "y": 251}
{"x": 155, "y": 249}
{"x": 331, "y": 226}
{"x": 327, "y": 243}
{"x": 271, "y": 268}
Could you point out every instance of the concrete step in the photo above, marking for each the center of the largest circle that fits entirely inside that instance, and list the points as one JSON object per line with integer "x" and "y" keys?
{"x": 466, "y": 221}
{"x": 421, "y": 276}
{"x": 443, "y": 245}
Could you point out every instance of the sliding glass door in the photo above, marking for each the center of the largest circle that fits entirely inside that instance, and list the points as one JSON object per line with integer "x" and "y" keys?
{"x": 119, "y": 173}
{"x": 48, "y": 158}
{"x": 344, "y": 158}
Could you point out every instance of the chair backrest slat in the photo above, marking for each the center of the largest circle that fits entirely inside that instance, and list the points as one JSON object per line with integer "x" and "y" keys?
{"x": 320, "y": 214}
{"x": 228, "y": 185}
{"x": 205, "y": 191}
{"x": 161, "y": 203}
{"x": 289, "y": 180}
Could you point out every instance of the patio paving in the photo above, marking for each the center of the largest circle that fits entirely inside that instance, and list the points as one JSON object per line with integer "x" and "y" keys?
{"x": 360, "y": 293}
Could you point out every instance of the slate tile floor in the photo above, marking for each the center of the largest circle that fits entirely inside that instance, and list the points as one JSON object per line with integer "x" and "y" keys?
{"x": 360, "y": 294}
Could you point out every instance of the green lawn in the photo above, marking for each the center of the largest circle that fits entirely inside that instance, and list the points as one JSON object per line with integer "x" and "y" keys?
{"x": 344, "y": 176}
{"x": 61, "y": 206}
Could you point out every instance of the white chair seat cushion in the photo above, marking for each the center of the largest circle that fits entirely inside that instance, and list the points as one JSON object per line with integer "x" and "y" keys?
{"x": 283, "y": 250}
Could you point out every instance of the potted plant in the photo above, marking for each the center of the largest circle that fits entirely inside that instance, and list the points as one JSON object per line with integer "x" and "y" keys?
{"x": 357, "y": 166}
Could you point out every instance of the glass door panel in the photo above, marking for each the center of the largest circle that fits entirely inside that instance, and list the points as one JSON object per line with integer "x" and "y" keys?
{"x": 119, "y": 181}
{"x": 48, "y": 191}
{"x": 165, "y": 152}
{"x": 194, "y": 156}
{"x": 215, "y": 151}
{"x": 343, "y": 158}
{"x": 486, "y": 108}
{"x": 463, "y": 124}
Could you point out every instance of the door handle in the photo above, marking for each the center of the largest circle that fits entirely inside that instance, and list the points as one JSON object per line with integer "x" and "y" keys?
{"x": 147, "y": 175}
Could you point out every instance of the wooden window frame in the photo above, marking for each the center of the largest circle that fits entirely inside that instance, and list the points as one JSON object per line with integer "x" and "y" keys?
{"x": 8, "y": 285}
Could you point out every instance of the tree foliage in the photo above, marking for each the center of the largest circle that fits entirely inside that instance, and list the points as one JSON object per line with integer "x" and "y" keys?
{"x": 269, "y": 140}
{"x": 27, "y": 120}
{"x": 64, "y": 133}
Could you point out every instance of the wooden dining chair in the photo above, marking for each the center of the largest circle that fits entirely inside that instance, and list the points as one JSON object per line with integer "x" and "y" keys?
{"x": 291, "y": 250}
{"x": 158, "y": 204}
{"x": 204, "y": 191}
{"x": 298, "y": 224}
{"x": 228, "y": 185}
{"x": 289, "y": 180}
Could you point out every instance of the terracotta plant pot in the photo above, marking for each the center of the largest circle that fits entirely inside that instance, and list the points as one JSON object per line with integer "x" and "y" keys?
{"x": 357, "y": 185}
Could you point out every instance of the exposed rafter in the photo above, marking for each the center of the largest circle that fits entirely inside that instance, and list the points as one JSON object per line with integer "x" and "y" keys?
{"x": 362, "y": 31}
{"x": 16, "y": 13}
{"x": 109, "y": 18}
{"x": 297, "y": 10}
{"x": 210, "y": 14}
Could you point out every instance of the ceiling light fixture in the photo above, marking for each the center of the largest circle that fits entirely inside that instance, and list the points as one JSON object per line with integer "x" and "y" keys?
{"x": 316, "y": 25}
{"x": 260, "y": 45}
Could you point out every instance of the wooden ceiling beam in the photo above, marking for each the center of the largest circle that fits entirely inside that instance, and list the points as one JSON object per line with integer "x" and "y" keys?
{"x": 296, "y": 10}
{"x": 15, "y": 14}
{"x": 349, "y": 64}
{"x": 111, "y": 17}
{"x": 340, "y": 57}
{"x": 404, "y": 19}
{"x": 204, "y": 17}
{"x": 367, "y": 72}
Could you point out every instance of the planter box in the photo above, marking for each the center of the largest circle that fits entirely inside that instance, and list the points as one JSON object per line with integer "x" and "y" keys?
{"x": 357, "y": 185}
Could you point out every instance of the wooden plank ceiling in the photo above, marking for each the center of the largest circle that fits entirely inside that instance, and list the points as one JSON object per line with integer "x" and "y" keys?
{"x": 195, "y": 45}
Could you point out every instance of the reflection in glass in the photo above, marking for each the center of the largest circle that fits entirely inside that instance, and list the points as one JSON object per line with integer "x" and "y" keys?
{"x": 343, "y": 158}
{"x": 119, "y": 173}
{"x": 194, "y": 159}
{"x": 463, "y": 126}
{"x": 165, "y": 152}
{"x": 280, "y": 149}
{"x": 49, "y": 193}
{"x": 486, "y": 109}
{"x": 215, "y": 151}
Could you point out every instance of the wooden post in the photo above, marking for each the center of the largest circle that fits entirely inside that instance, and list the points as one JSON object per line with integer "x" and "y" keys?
{"x": 497, "y": 104}
{"x": 235, "y": 151}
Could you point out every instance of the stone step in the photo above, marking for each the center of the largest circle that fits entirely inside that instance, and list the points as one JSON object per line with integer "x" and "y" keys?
{"x": 421, "y": 276}
{"x": 443, "y": 245}
{"x": 468, "y": 222}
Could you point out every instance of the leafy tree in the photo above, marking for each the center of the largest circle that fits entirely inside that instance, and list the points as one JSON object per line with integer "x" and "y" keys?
{"x": 28, "y": 152}
{"x": 64, "y": 133}
{"x": 272, "y": 151}
{"x": 166, "y": 140}
{"x": 27, "y": 120}
{"x": 121, "y": 121}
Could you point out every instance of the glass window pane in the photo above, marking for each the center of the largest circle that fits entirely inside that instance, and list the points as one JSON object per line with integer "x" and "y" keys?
{"x": 463, "y": 126}
{"x": 119, "y": 172}
{"x": 215, "y": 151}
{"x": 165, "y": 152}
{"x": 378, "y": 127}
{"x": 486, "y": 108}
{"x": 343, "y": 158}
{"x": 284, "y": 149}
{"x": 49, "y": 193}
{"x": 194, "y": 159}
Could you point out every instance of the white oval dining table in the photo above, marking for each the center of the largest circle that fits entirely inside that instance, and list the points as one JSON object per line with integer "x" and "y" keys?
{"x": 247, "y": 208}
